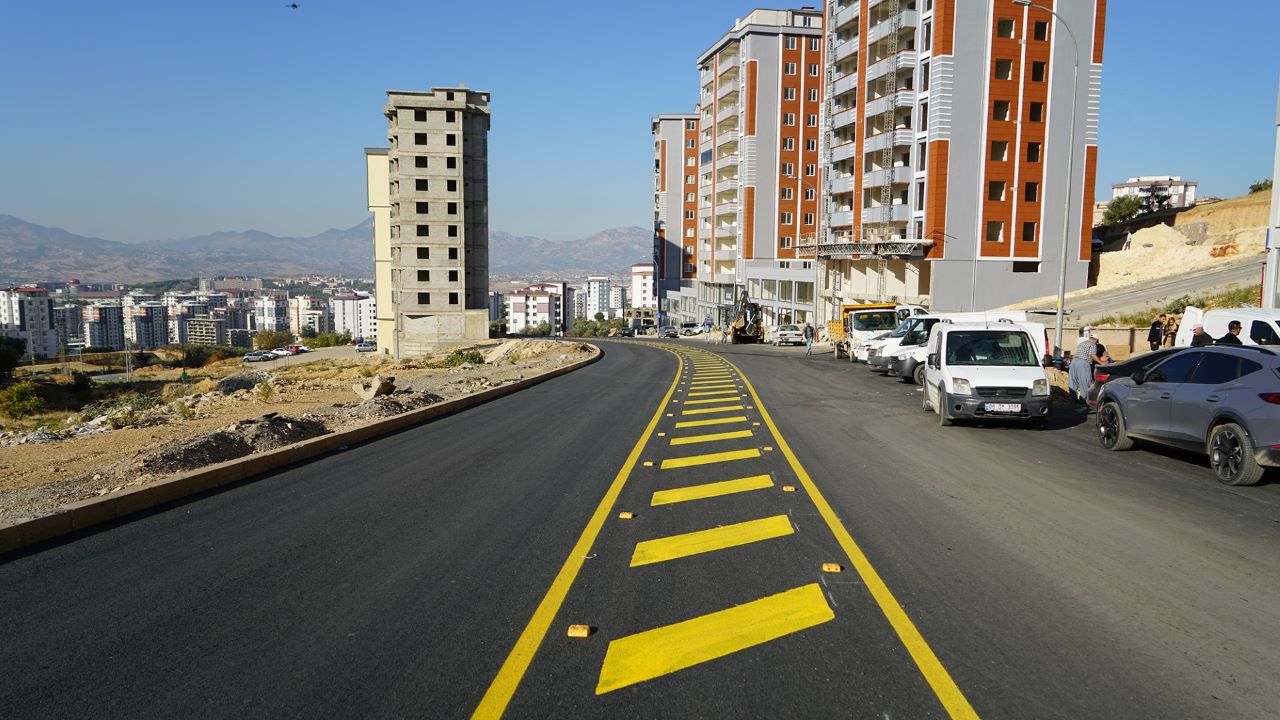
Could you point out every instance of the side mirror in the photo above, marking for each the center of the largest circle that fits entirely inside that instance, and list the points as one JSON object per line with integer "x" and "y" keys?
{"x": 933, "y": 360}
{"x": 1048, "y": 361}
{"x": 1139, "y": 377}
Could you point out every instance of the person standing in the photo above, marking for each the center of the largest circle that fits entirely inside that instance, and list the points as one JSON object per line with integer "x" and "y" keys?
{"x": 1199, "y": 336}
{"x": 1233, "y": 334}
{"x": 1156, "y": 335}
{"x": 808, "y": 338}
{"x": 1080, "y": 374}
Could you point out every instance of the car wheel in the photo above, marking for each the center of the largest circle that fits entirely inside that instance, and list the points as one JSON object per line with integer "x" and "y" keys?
{"x": 917, "y": 375}
{"x": 1111, "y": 430}
{"x": 944, "y": 403}
{"x": 1231, "y": 455}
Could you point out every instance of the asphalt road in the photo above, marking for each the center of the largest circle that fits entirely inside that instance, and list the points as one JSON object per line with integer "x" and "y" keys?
{"x": 1158, "y": 292}
{"x": 1003, "y": 571}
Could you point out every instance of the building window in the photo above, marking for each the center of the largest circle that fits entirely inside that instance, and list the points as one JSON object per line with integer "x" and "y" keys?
{"x": 999, "y": 150}
{"x": 423, "y": 208}
{"x": 1004, "y": 27}
{"x": 808, "y": 193}
{"x": 813, "y": 44}
{"x": 1041, "y": 30}
{"x": 449, "y": 116}
{"x": 924, "y": 77}
{"x": 1004, "y": 69}
{"x": 452, "y": 208}
{"x": 808, "y": 218}
{"x": 691, "y": 125}
{"x": 924, "y": 116}
{"x": 789, "y": 119}
{"x": 424, "y": 253}
{"x": 690, "y": 179}
{"x": 813, "y": 69}
{"x": 453, "y": 231}
{"x": 451, "y": 185}
{"x": 787, "y": 193}
{"x": 788, "y": 93}
{"x": 451, "y": 139}
{"x": 424, "y": 298}
{"x": 691, "y": 143}
{"x": 1033, "y": 152}
{"x": 811, "y": 144}
{"x": 1000, "y": 110}
{"x": 995, "y": 190}
{"x": 813, "y": 94}
{"x": 1037, "y": 71}
{"x": 448, "y": 96}
{"x": 926, "y": 43}
{"x": 919, "y": 198}
{"x": 811, "y": 170}
{"x": 690, "y": 197}
{"x": 451, "y": 163}
{"x": 788, "y": 169}
{"x": 453, "y": 253}
{"x": 420, "y": 184}
{"x": 1032, "y": 192}
{"x": 811, "y": 120}
{"x": 788, "y": 143}
{"x": 453, "y": 276}
{"x": 689, "y": 215}
{"x": 791, "y": 42}
{"x": 789, "y": 69}
{"x": 785, "y": 241}
{"x": 424, "y": 276}
{"x": 420, "y": 161}
{"x": 419, "y": 138}
{"x": 688, "y": 232}
{"x": 424, "y": 231}
{"x": 1036, "y": 112}
{"x": 995, "y": 231}
{"x": 453, "y": 298}
{"x": 419, "y": 115}
{"x": 786, "y": 218}
{"x": 690, "y": 161}
{"x": 1028, "y": 232}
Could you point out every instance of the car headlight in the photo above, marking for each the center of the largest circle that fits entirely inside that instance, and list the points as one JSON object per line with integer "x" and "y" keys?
{"x": 1040, "y": 388}
{"x": 960, "y": 386}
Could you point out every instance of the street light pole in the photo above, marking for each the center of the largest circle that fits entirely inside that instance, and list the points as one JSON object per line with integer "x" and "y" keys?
{"x": 1071, "y": 159}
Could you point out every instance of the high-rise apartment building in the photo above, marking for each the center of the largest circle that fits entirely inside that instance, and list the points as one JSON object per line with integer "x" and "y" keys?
{"x": 642, "y": 286}
{"x": 429, "y": 192}
{"x": 758, "y": 193}
{"x": 271, "y": 312}
{"x": 147, "y": 325}
{"x": 104, "y": 326}
{"x": 532, "y": 307}
{"x": 205, "y": 330}
{"x": 953, "y": 157}
{"x": 27, "y": 313}
{"x": 597, "y": 295}
{"x": 675, "y": 214}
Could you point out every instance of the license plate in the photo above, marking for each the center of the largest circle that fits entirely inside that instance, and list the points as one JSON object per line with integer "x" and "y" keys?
{"x": 1003, "y": 407}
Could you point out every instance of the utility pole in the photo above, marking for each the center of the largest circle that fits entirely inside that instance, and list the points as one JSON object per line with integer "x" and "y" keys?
{"x": 1270, "y": 283}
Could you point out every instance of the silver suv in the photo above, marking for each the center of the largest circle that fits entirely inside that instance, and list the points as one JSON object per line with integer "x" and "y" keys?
{"x": 1223, "y": 401}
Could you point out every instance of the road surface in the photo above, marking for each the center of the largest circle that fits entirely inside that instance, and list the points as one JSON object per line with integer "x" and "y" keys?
{"x": 982, "y": 571}
{"x": 1159, "y": 292}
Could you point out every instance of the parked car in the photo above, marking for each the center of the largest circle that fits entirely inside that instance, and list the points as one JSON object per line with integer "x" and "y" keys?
{"x": 259, "y": 356}
{"x": 1218, "y": 400}
{"x": 626, "y": 332}
{"x": 788, "y": 335}
{"x": 907, "y": 359}
{"x": 297, "y": 349}
{"x": 668, "y": 332}
{"x": 690, "y": 328}
{"x": 987, "y": 371}
{"x": 366, "y": 347}
{"x": 1104, "y": 374}
{"x": 1258, "y": 326}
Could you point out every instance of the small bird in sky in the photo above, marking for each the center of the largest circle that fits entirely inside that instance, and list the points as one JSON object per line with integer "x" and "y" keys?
{"x": 292, "y": 5}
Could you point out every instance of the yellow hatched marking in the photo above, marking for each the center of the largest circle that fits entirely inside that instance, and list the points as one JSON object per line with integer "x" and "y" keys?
{"x": 702, "y": 393}
{"x": 711, "y": 421}
{"x": 713, "y": 385}
{"x": 708, "y": 459}
{"x": 713, "y": 437}
{"x": 708, "y": 401}
{"x": 704, "y": 411}
{"x": 657, "y": 652}
{"x": 710, "y": 490}
{"x": 675, "y": 547}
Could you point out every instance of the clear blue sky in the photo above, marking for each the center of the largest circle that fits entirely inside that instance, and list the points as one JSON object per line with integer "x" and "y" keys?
{"x": 137, "y": 120}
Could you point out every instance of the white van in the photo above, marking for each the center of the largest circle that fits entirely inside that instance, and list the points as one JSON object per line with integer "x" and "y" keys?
{"x": 992, "y": 370}
{"x": 904, "y": 354}
{"x": 863, "y": 324}
{"x": 1258, "y": 326}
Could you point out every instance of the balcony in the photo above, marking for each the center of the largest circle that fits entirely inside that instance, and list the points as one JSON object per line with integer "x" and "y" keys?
{"x": 728, "y": 65}
{"x": 886, "y": 213}
{"x": 844, "y": 117}
{"x": 726, "y": 161}
{"x": 725, "y": 113}
{"x": 842, "y": 185}
{"x": 905, "y": 60}
{"x": 909, "y": 19}
{"x": 844, "y": 50}
{"x": 727, "y": 231}
{"x": 899, "y": 138}
{"x": 845, "y": 15}
{"x": 727, "y": 137}
{"x": 844, "y": 84}
{"x": 899, "y": 99}
{"x": 843, "y": 151}
{"x": 891, "y": 176}
{"x": 841, "y": 219}
{"x": 727, "y": 208}
{"x": 727, "y": 88}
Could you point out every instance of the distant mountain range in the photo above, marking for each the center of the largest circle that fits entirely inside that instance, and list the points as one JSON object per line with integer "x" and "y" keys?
{"x": 31, "y": 253}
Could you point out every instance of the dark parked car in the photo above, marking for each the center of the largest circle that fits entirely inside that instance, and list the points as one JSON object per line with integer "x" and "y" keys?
{"x": 1103, "y": 374}
{"x": 626, "y": 332}
{"x": 668, "y": 333}
{"x": 1220, "y": 400}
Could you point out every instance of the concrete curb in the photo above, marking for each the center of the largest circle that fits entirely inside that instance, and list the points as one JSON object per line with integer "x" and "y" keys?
{"x": 84, "y": 514}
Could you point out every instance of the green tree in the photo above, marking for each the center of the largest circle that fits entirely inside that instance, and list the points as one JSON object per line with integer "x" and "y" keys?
{"x": 267, "y": 339}
{"x": 1122, "y": 209}
{"x": 544, "y": 328}
{"x": 497, "y": 328}
{"x": 11, "y": 351}
{"x": 1260, "y": 186}
{"x": 599, "y": 317}
{"x": 308, "y": 332}
{"x": 20, "y": 400}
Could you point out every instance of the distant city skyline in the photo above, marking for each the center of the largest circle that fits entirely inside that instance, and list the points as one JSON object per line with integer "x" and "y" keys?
{"x": 155, "y": 120}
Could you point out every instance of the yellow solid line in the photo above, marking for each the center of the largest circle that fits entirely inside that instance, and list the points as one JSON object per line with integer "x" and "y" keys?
{"x": 709, "y": 458}
{"x": 949, "y": 694}
{"x": 704, "y": 411}
{"x": 708, "y": 401}
{"x": 712, "y": 437}
{"x": 498, "y": 695}
{"x": 654, "y": 653}
{"x": 714, "y": 392}
{"x": 712, "y": 421}
{"x": 710, "y": 490}
{"x": 703, "y": 541}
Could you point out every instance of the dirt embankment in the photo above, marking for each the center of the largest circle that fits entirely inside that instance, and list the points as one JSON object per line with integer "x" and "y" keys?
{"x": 238, "y": 412}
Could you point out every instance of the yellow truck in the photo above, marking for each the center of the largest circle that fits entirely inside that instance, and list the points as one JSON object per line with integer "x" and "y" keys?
{"x": 860, "y": 322}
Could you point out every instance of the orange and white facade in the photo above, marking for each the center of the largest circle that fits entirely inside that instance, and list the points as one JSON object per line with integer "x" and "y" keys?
{"x": 675, "y": 215}
{"x": 949, "y": 165}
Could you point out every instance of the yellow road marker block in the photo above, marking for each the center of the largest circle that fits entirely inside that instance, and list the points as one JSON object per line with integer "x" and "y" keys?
{"x": 788, "y": 488}
{"x": 694, "y": 460}
{"x": 708, "y": 401}
{"x": 703, "y": 541}
{"x": 712, "y": 421}
{"x": 657, "y": 652}
{"x": 662, "y": 434}
{"x": 704, "y": 411}
{"x": 768, "y": 448}
{"x": 754, "y": 424}
{"x": 832, "y": 567}
{"x": 648, "y": 463}
{"x": 579, "y": 631}
{"x": 626, "y": 515}
{"x": 711, "y": 437}
{"x": 710, "y": 490}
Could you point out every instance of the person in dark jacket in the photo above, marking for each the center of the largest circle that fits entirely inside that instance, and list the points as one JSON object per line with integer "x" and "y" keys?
{"x": 1199, "y": 336}
{"x": 1156, "y": 335}
{"x": 1233, "y": 334}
